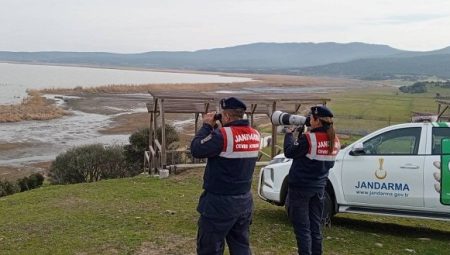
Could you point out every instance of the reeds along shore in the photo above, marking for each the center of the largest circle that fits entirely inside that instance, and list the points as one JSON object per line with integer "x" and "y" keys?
{"x": 144, "y": 88}
{"x": 97, "y": 90}
{"x": 36, "y": 107}
{"x": 33, "y": 107}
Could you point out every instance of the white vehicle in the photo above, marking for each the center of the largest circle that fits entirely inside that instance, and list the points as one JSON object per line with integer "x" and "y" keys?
{"x": 393, "y": 171}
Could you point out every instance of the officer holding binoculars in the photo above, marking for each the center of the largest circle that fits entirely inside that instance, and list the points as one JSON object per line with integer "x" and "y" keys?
{"x": 226, "y": 203}
{"x": 313, "y": 155}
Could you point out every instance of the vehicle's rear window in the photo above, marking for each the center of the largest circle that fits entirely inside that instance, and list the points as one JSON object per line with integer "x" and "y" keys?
{"x": 438, "y": 134}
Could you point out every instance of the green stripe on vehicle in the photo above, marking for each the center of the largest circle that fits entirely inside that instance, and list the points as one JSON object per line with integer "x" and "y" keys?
{"x": 440, "y": 124}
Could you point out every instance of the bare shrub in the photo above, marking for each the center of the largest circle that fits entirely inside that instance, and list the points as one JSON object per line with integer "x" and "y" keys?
{"x": 8, "y": 188}
{"x": 31, "y": 182}
{"x": 88, "y": 163}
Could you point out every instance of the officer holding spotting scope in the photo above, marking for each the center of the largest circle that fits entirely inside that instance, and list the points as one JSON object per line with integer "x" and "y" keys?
{"x": 313, "y": 155}
{"x": 226, "y": 204}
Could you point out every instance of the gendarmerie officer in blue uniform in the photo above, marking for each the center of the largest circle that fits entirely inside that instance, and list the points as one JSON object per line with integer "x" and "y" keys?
{"x": 313, "y": 155}
{"x": 226, "y": 203}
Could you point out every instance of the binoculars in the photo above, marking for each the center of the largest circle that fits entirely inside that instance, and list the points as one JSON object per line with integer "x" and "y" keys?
{"x": 218, "y": 116}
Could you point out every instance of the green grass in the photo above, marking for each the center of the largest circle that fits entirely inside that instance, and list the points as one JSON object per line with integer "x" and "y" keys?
{"x": 361, "y": 111}
{"x": 371, "y": 109}
{"x": 142, "y": 215}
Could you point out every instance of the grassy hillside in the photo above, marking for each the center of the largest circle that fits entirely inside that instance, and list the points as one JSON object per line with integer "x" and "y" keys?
{"x": 365, "y": 110}
{"x": 143, "y": 215}
{"x": 380, "y": 68}
{"x": 361, "y": 111}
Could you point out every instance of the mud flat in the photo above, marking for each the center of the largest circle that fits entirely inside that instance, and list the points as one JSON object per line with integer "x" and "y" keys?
{"x": 13, "y": 173}
{"x": 110, "y": 114}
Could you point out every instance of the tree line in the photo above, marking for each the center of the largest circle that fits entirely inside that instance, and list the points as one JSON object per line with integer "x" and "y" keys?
{"x": 421, "y": 86}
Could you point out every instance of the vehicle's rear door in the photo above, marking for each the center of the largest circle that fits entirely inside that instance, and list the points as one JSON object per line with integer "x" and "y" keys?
{"x": 432, "y": 167}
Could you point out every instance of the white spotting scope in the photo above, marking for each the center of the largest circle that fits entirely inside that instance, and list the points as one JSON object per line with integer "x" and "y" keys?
{"x": 284, "y": 118}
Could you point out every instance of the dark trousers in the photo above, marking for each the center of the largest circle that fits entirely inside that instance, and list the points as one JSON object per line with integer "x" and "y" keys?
{"x": 212, "y": 233}
{"x": 305, "y": 210}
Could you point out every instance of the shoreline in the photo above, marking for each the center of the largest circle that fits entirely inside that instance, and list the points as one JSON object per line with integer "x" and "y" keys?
{"x": 111, "y": 115}
{"x": 125, "y": 68}
{"x": 257, "y": 82}
{"x": 255, "y": 77}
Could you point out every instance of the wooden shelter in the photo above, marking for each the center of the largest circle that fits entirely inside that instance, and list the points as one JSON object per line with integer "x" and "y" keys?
{"x": 443, "y": 105}
{"x": 196, "y": 103}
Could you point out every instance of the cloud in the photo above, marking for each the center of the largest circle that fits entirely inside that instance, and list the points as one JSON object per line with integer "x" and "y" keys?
{"x": 147, "y": 25}
{"x": 412, "y": 18}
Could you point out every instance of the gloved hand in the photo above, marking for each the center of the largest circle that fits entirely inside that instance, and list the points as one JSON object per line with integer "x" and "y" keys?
{"x": 288, "y": 130}
{"x": 208, "y": 118}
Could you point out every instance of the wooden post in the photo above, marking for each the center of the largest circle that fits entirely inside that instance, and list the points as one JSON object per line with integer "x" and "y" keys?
{"x": 441, "y": 113}
{"x": 145, "y": 159}
{"x": 274, "y": 132}
{"x": 252, "y": 120}
{"x": 163, "y": 136}
{"x": 297, "y": 107}
{"x": 155, "y": 124}
{"x": 155, "y": 135}
{"x": 153, "y": 157}
{"x": 196, "y": 123}
{"x": 150, "y": 130}
{"x": 197, "y": 115}
{"x": 150, "y": 143}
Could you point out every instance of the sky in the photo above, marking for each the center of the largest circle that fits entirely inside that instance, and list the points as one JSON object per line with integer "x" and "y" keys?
{"x": 134, "y": 26}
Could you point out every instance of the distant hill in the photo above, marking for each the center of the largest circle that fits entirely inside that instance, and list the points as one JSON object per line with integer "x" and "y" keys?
{"x": 383, "y": 68}
{"x": 367, "y": 61}
{"x": 441, "y": 51}
{"x": 243, "y": 57}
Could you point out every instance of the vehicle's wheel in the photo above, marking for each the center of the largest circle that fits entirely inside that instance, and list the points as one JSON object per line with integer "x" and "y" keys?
{"x": 286, "y": 204}
{"x": 328, "y": 209}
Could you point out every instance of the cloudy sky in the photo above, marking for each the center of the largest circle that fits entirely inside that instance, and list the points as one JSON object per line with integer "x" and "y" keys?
{"x": 148, "y": 25}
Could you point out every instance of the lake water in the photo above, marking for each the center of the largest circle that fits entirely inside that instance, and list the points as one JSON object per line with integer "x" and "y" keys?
{"x": 15, "y": 79}
{"x": 46, "y": 139}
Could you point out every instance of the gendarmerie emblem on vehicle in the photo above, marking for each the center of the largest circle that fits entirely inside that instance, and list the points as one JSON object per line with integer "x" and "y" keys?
{"x": 380, "y": 173}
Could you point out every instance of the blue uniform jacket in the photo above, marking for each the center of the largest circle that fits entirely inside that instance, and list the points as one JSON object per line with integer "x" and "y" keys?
{"x": 305, "y": 174}
{"x": 226, "y": 181}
